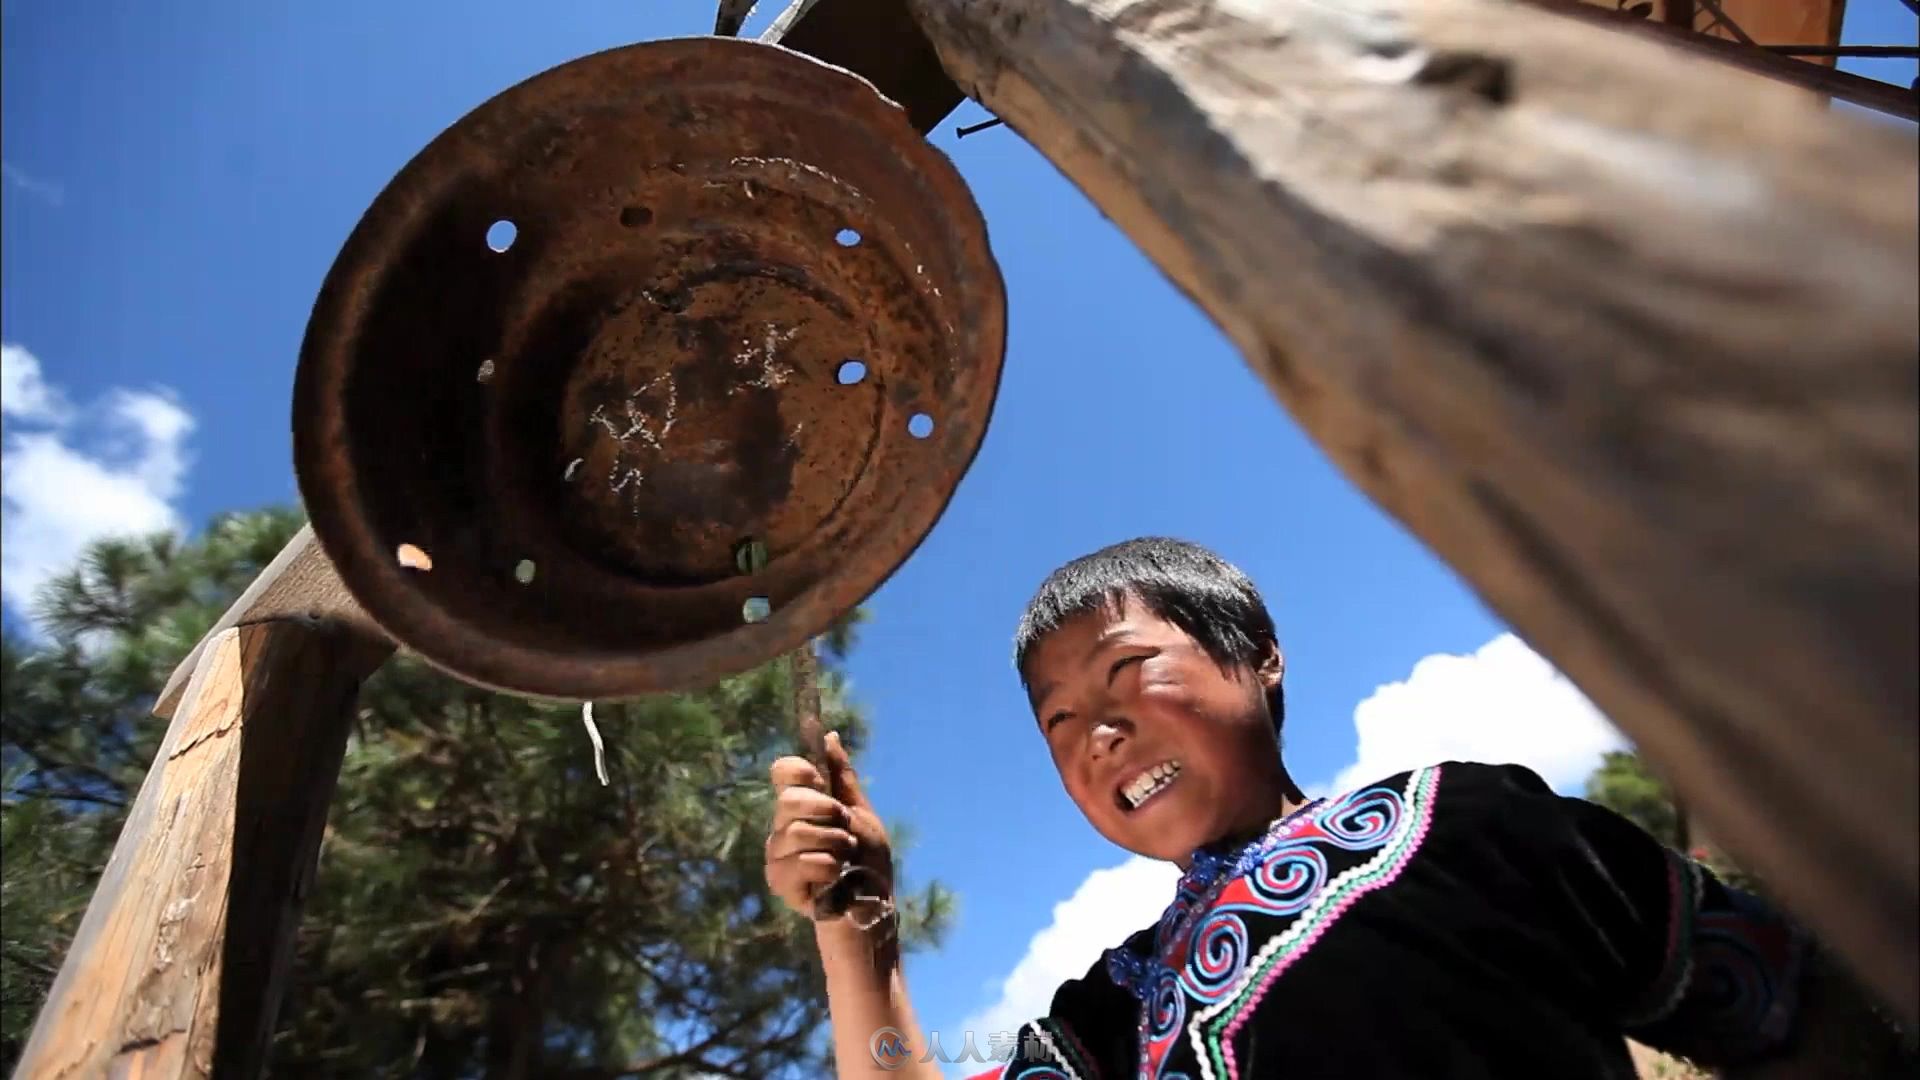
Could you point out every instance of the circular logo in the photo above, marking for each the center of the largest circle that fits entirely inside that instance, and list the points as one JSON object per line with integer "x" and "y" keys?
{"x": 889, "y": 1049}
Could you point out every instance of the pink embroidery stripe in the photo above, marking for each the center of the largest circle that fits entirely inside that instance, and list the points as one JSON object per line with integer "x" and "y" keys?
{"x": 1677, "y": 903}
{"x": 1422, "y": 819}
{"x": 1676, "y": 970}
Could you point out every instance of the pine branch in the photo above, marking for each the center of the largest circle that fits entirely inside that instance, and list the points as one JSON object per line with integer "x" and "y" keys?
{"x": 41, "y": 791}
{"x": 692, "y": 1057}
{"x": 38, "y": 967}
{"x": 46, "y": 762}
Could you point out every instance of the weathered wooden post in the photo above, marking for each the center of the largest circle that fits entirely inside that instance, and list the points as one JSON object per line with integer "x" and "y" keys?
{"x": 181, "y": 960}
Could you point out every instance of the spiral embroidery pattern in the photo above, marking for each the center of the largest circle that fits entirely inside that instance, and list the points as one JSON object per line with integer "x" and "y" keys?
{"x": 1733, "y": 981}
{"x": 1389, "y": 823}
{"x": 1361, "y": 821}
{"x": 1218, "y": 955}
{"x": 1286, "y": 881}
{"x": 1166, "y": 1009}
{"x": 1745, "y": 960}
{"x": 1203, "y": 947}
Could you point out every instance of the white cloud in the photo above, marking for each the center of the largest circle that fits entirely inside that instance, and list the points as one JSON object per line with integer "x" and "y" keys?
{"x": 45, "y": 190}
{"x": 70, "y": 476}
{"x": 1107, "y": 907}
{"x": 24, "y": 393}
{"x": 1504, "y": 704}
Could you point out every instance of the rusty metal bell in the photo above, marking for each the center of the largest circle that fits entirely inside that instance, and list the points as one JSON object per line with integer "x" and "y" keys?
{"x": 626, "y": 317}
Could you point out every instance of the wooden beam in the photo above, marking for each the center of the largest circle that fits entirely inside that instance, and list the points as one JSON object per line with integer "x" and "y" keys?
{"x": 299, "y": 584}
{"x": 1627, "y": 337}
{"x": 181, "y": 960}
{"x": 874, "y": 39}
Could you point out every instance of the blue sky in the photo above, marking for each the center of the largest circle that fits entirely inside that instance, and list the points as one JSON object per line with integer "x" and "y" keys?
{"x": 178, "y": 181}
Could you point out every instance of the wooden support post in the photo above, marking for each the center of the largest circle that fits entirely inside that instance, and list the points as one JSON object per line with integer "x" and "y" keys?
{"x": 1626, "y": 336}
{"x": 181, "y": 960}
{"x": 878, "y": 41}
{"x": 300, "y": 585}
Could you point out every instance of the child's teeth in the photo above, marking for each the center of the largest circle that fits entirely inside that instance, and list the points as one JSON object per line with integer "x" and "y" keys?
{"x": 1151, "y": 782}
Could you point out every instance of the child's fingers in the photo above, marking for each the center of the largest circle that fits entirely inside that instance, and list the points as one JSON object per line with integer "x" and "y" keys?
{"x": 801, "y": 837}
{"x": 818, "y": 866}
{"x": 797, "y": 878}
{"x": 805, "y": 804}
{"x": 811, "y": 872}
{"x": 789, "y": 772}
{"x": 846, "y": 782}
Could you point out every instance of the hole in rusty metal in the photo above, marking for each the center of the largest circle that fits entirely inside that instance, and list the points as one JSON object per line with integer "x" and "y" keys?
{"x": 920, "y": 425}
{"x": 756, "y": 609}
{"x": 524, "y": 571}
{"x": 750, "y": 556}
{"x": 486, "y": 371}
{"x": 846, "y": 237}
{"x": 413, "y": 558}
{"x": 635, "y": 216}
{"x": 851, "y": 372}
{"x": 500, "y": 235}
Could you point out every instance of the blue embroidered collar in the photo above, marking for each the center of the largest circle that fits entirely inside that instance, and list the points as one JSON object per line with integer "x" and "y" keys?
{"x": 1213, "y": 866}
{"x": 1216, "y": 863}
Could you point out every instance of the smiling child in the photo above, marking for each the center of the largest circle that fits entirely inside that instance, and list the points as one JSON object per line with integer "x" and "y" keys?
{"x": 1460, "y": 920}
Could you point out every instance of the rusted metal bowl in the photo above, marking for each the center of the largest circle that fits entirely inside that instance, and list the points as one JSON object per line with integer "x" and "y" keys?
{"x": 739, "y": 290}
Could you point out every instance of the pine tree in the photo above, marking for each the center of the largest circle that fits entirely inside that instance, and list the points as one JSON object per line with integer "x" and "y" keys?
{"x": 485, "y": 907}
{"x": 1624, "y": 785}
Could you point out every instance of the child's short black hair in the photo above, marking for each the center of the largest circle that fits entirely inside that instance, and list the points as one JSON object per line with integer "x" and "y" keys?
{"x": 1207, "y": 597}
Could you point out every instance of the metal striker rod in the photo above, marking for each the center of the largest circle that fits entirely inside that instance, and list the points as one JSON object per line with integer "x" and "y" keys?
{"x": 750, "y": 557}
{"x": 805, "y": 668}
{"x": 845, "y": 892}
{"x": 803, "y": 664}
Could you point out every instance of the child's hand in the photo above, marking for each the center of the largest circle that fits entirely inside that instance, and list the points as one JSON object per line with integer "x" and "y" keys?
{"x": 816, "y": 833}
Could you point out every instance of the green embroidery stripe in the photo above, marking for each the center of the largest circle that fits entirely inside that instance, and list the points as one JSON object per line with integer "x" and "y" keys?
{"x": 1065, "y": 1047}
{"x": 1358, "y": 879}
{"x": 1677, "y": 967}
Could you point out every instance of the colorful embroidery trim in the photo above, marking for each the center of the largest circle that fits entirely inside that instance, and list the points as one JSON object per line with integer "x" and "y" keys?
{"x": 1683, "y": 900}
{"x": 1393, "y": 822}
{"x": 1064, "y": 1048}
{"x": 1740, "y": 997}
{"x": 1201, "y": 944}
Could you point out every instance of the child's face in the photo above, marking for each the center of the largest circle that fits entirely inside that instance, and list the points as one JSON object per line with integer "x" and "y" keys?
{"x": 1162, "y": 750}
